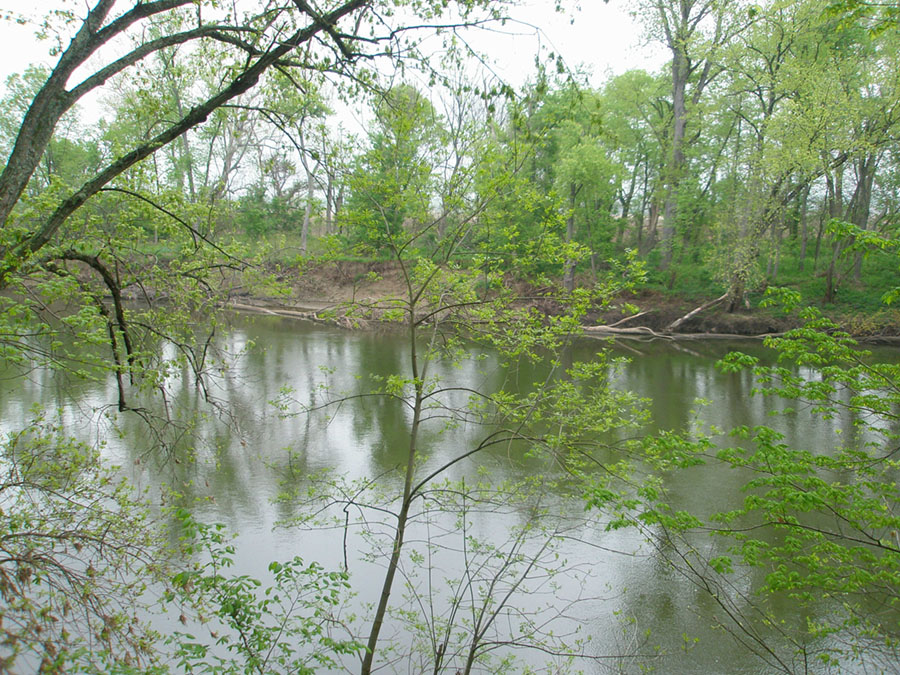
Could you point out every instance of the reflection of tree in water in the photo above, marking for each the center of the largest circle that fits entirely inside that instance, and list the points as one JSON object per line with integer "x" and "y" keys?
{"x": 380, "y": 422}
{"x": 241, "y": 478}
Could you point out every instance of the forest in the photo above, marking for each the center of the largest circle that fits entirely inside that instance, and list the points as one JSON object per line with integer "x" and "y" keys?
{"x": 184, "y": 157}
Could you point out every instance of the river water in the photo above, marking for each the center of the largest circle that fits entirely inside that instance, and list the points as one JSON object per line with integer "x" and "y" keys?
{"x": 613, "y": 587}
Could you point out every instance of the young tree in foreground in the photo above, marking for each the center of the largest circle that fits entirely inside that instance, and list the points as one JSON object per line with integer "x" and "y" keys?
{"x": 457, "y": 308}
{"x": 74, "y": 247}
{"x": 281, "y": 629}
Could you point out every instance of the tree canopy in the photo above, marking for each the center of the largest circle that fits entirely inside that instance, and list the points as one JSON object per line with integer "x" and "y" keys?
{"x": 760, "y": 164}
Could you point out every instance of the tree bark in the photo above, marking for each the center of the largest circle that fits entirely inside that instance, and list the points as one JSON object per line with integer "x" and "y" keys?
{"x": 804, "y": 225}
{"x": 569, "y": 273}
{"x": 307, "y": 214}
{"x": 680, "y": 72}
{"x": 53, "y": 100}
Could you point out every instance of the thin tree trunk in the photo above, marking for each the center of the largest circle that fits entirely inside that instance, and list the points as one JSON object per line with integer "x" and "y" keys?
{"x": 819, "y": 232}
{"x": 307, "y": 214}
{"x": 834, "y": 195}
{"x": 680, "y": 74}
{"x": 569, "y": 273}
{"x": 862, "y": 205}
{"x": 645, "y": 199}
{"x": 403, "y": 515}
{"x": 830, "y": 282}
{"x": 652, "y": 227}
{"x": 772, "y": 264}
{"x": 329, "y": 204}
{"x": 804, "y": 225}
{"x": 338, "y": 205}
{"x": 626, "y": 207}
{"x": 778, "y": 240}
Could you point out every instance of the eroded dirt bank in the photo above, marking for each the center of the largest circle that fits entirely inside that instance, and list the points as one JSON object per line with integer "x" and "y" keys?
{"x": 319, "y": 292}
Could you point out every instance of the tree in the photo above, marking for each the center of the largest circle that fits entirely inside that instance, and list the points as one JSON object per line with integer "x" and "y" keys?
{"x": 77, "y": 556}
{"x": 635, "y": 121}
{"x": 563, "y": 134}
{"x": 392, "y": 187}
{"x": 789, "y": 122}
{"x": 694, "y": 31}
{"x": 771, "y": 162}
{"x": 816, "y": 526}
{"x": 80, "y": 238}
{"x": 591, "y": 180}
{"x": 450, "y": 304}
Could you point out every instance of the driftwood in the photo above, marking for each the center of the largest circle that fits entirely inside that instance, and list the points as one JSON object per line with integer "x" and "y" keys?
{"x": 628, "y": 318}
{"x": 642, "y": 332}
{"x": 611, "y": 330}
{"x": 694, "y": 312}
{"x": 637, "y": 331}
{"x": 344, "y": 322}
{"x": 291, "y": 313}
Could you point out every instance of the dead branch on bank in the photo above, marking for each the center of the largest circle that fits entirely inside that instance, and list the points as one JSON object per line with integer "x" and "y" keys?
{"x": 694, "y": 312}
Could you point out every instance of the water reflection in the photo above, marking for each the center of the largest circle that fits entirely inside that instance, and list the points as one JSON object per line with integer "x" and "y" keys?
{"x": 242, "y": 467}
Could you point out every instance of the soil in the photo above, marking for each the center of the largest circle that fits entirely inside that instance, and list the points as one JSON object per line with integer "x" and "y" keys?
{"x": 326, "y": 286}
{"x": 661, "y": 309}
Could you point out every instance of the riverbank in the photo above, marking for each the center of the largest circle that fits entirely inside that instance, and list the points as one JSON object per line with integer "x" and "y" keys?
{"x": 322, "y": 290}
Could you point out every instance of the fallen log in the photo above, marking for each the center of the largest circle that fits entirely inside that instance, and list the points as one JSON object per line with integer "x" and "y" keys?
{"x": 258, "y": 309}
{"x": 637, "y": 331}
{"x": 643, "y": 332}
{"x": 694, "y": 312}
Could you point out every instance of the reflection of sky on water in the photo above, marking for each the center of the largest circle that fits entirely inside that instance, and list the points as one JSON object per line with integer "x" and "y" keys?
{"x": 627, "y": 587}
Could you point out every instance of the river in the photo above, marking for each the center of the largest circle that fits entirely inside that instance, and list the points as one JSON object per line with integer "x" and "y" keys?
{"x": 635, "y": 608}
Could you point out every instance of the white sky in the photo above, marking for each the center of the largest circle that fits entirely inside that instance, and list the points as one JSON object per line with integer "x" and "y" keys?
{"x": 600, "y": 35}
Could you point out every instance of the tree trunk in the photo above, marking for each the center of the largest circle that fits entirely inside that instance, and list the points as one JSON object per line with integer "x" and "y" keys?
{"x": 184, "y": 165}
{"x": 329, "y": 204}
{"x": 338, "y": 205}
{"x": 569, "y": 273}
{"x": 778, "y": 240}
{"x": 804, "y": 225}
{"x": 307, "y": 214}
{"x": 645, "y": 200}
{"x": 772, "y": 265}
{"x": 626, "y": 207}
{"x": 680, "y": 73}
{"x": 830, "y": 281}
{"x": 652, "y": 227}
{"x": 403, "y": 515}
{"x": 862, "y": 202}
{"x": 834, "y": 185}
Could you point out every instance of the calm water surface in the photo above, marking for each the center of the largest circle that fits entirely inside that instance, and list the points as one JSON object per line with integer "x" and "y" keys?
{"x": 633, "y": 606}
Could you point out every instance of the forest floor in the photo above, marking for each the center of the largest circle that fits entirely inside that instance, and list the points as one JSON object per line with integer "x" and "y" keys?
{"x": 324, "y": 287}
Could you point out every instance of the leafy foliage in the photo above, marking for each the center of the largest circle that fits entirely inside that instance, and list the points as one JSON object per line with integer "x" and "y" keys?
{"x": 79, "y": 555}
{"x": 818, "y": 524}
{"x": 282, "y": 627}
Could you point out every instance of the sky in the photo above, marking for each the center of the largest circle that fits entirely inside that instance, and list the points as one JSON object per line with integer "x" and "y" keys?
{"x": 598, "y": 37}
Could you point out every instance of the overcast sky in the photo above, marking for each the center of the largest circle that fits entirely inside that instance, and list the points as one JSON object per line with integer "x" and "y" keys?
{"x": 600, "y": 36}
